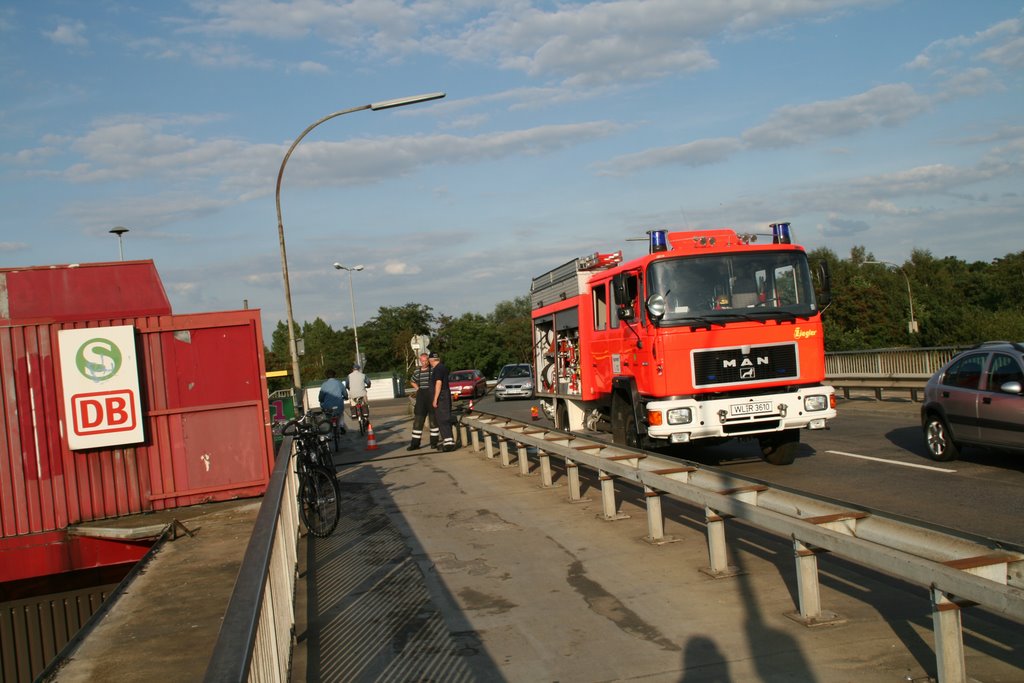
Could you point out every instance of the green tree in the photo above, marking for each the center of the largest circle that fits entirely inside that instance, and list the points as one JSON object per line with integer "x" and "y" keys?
{"x": 384, "y": 339}
{"x": 512, "y": 321}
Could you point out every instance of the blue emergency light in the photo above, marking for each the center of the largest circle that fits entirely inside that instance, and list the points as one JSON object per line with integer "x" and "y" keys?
{"x": 658, "y": 241}
{"x": 780, "y": 233}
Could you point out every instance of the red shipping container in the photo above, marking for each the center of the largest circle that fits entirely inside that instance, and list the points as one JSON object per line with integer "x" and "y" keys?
{"x": 206, "y": 413}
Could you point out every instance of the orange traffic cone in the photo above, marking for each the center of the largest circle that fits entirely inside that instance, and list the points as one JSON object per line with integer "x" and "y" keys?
{"x": 471, "y": 405}
{"x": 534, "y": 414}
{"x": 371, "y": 440}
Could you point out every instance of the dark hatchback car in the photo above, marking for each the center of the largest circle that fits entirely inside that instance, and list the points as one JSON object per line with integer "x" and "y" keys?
{"x": 976, "y": 399}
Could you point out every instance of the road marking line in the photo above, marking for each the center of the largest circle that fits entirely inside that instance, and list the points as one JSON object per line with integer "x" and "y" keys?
{"x": 894, "y": 462}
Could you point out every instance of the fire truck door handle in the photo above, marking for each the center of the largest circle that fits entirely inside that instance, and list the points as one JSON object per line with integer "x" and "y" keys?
{"x": 945, "y": 394}
{"x": 987, "y": 400}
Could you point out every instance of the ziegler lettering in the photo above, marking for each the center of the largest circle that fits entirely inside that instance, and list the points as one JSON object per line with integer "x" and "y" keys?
{"x": 804, "y": 334}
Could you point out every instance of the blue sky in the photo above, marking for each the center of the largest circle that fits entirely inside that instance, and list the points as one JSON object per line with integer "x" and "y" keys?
{"x": 567, "y": 129}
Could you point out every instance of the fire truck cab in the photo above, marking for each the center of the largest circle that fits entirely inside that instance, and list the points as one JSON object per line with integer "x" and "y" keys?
{"x": 709, "y": 336}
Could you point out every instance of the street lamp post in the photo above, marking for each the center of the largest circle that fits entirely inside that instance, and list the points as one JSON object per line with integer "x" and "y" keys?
{"x": 292, "y": 348}
{"x": 912, "y": 325}
{"x": 119, "y": 230}
{"x": 352, "y": 300}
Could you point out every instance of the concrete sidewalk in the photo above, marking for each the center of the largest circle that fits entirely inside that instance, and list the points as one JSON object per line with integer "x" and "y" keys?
{"x": 446, "y": 567}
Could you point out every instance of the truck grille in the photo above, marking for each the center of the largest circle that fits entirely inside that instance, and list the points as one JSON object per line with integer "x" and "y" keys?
{"x": 745, "y": 365}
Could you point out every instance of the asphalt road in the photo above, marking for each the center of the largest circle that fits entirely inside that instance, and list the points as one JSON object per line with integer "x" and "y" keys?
{"x": 873, "y": 456}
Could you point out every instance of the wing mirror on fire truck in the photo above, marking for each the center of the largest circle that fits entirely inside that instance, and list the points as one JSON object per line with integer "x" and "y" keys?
{"x": 825, "y": 281}
{"x": 624, "y": 309}
{"x": 656, "y": 306}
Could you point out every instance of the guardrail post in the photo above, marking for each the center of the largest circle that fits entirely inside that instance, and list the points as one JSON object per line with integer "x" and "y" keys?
{"x": 609, "y": 513}
{"x": 808, "y": 589}
{"x": 572, "y": 472}
{"x": 546, "y": 481}
{"x": 523, "y": 459}
{"x": 464, "y": 434}
{"x": 474, "y": 437}
{"x": 949, "y": 639}
{"x": 488, "y": 445}
{"x": 503, "y": 452}
{"x": 655, "y": 520}
{"x": 717, "y": 552}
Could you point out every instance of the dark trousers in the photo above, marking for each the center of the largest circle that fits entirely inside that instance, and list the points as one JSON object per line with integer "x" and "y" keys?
{"x": 423, "y": 410}
{"x": 443, "y": 415}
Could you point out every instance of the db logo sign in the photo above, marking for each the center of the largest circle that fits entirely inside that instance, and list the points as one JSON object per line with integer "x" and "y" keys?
{"x": 103, "y": 412}
{"x": 101, "y": 386}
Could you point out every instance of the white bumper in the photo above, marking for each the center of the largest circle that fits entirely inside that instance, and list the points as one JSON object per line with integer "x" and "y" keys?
{"x": 808, "y": 408}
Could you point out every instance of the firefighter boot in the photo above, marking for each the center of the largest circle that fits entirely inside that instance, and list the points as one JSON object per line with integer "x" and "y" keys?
{"x": 414, "y": 444}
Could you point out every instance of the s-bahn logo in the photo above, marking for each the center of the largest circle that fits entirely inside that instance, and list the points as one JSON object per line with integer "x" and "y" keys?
{"x": 98, "y": 359}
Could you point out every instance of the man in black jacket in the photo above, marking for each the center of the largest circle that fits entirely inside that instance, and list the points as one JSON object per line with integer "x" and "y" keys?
{"x": 442, "y": 400}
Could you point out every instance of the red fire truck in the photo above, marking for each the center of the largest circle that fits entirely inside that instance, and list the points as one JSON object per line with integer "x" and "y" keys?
{"x": 709, "y": 336}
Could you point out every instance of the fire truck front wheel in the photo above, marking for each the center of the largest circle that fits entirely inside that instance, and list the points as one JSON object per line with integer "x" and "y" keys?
{"x": 780, "y": 448}
{"x": 624, "y": 427}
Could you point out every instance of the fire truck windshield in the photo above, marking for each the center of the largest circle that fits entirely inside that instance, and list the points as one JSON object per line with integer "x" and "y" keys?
{"x": 761, "y": 285}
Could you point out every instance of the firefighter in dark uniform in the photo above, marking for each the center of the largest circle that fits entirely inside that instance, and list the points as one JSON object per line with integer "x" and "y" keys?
{"x": 424, "y": 406}
{"x": 442, "y": 400}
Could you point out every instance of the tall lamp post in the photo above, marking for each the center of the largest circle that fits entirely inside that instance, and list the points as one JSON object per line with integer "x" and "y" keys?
{"x": 376, "y": 106}
{"x": 352, "y": 300}
{"x": 119, "y": 230}
{"x": 912, "y": 325}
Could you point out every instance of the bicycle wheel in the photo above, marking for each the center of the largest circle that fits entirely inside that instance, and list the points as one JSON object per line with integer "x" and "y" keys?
{"x": 319, "y": 500}
{"x": 363, "y": 421}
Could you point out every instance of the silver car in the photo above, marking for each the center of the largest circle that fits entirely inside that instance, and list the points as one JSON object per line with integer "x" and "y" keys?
{"x": 976, "y": 399}
{"x": 514, "y": 381}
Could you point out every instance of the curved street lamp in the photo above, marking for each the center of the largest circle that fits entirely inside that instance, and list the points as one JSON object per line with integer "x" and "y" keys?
{"x": 292, "y": 348}
{"x": 912, "y": 325}
{"x": 352, "y": 300}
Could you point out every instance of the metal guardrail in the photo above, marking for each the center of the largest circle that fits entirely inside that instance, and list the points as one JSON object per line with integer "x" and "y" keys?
{"x": 957, "y": 569}
{"x": 255, "y": 640}
{"x": 886, "y": 369}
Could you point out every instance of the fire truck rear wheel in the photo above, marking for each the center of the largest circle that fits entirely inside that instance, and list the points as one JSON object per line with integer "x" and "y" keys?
{"x": 781, "y": 448}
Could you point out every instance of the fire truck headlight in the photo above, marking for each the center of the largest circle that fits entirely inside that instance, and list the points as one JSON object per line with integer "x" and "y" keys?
{"x": 815, "y": 403}
{"x": 680, "y": 416}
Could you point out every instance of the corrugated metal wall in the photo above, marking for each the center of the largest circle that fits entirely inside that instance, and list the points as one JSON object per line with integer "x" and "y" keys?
{"x": 34, "y": 630}
{"x": 206, "y": 414}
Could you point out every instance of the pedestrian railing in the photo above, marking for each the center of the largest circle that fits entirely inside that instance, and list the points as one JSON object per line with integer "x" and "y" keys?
{"x": 255, "y": 640}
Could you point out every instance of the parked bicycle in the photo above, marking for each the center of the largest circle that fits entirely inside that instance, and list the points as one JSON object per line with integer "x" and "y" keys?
{"x": 319, "y": 492}
{"x": 361, "y": 413}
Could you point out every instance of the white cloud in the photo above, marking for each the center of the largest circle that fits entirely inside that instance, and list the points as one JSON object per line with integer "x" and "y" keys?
{"x": 1001, "y": 44}
{"x": 698, "y": 153}
{"x": 68, "y": 33}
{"x": 13, "y": 246}
{"x": 400, "y": 268}
{"x": 312, "y": 68}
{"x": 886, "y": 105}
